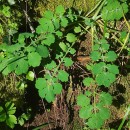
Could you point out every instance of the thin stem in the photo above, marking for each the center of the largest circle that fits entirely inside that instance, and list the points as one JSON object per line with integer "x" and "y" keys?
{"x": 63, "y": 59}
{"x": 124, "y": 118}
{"x": 93, "y": 9}
{"x": 92, "y": 32}
{"x": 46, "y": 114}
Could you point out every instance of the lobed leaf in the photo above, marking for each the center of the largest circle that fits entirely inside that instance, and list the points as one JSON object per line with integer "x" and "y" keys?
{"x": 85, "y": 112}
{"x": 95, "y": 122}
{"x": 111, "y": 56}
{"x": 77, "y": 29}
{"x": 106, "y": 98}
{"x": 34, "y": 59}
{"x": 88, "y": 82}
{"x": 57, "y": 88}
{"x": 113, "y": 69}
{"x": 11, "y": 120}
{"x": 68, "y": 62}
{"x": 83, "y": 100}
{"x": 43, "y": 51}
{"x": 60, "y": 10}
{"x": 63, "y": 75}
{"x": 70, "y": 37}
{"x": 50, "y": 38}
{"x": 40, "y": 83}
{"x": 95, "y": 55}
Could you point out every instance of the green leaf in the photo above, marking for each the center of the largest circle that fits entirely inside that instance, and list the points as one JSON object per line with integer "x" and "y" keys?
{"x": 98, "y": 68}
{"x": 114, "y": 11}
{"x": 40, "y": 83}
{"x": 30, "y": 76}
{"x": 102, "y": 41}
{"x": 48, "y": 14}
{"x": 63, "y": 46}
{"x": 50, "y": 95}
{"x": 88, "y": 82}
{"x": 51, "y": 65}
{"x": 10, "y": 67}
{"x": 30, "y": 49}
{"x": 68, "y": 62}
{"x": 21, "y": 121}
{"x": 11, "y": 120}
{"x": 34, "y": 59}
{"x": 105, "y": 47}
{"x": 59, "y": 33}
{"x": 46, "y": 26}
{"x": 57, "y": 88}
{"x": 83, "y": 101}
{"x": 88, "y": 21}
{"x": 21, "y": 38}
{"x": 42, "y": 92}
{"x": 50, "y": 38}
{"x": 95, "y": 122}
{"x": 64, "y": 22}
{"x": 40, "y": 29}
{"x": 10, "y": 108}
{"x": 72, "y": 51}
{"x": 95, "y": 55}
{"x": 1, "y": 109}
{"x": 2, "y": 114}
{"x": 77, "y": 29}
{"x": 43, "y": 51}
{"x": 111, "y": 56}
{"x": 63, "y": 75}
{"x": 71, "y": 37}
{"x": 21, "y": 86}
{"x": 106, "y": 98}
{"x": 88, "y": 93}
{"x": 70, "y": 15}
{"x": 96, "y": 47}
{"x": 104, "y": 113}
{"x": 22, "y": 66}
{"x": 89, "y": 66}
{"x": 113, "y": 69}
{"x": 56, "y": 23}
{"x": 60, "y": 10}
{"x": 25, "y": 116}
{"x": 27, "y": 35}
{"x": 6, "y": 11}
{"x": 105, "y": 79}
{"x": 85, "y": 112}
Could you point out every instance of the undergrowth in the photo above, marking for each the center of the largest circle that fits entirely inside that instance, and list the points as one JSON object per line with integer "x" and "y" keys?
{"x": 52, "y": 46}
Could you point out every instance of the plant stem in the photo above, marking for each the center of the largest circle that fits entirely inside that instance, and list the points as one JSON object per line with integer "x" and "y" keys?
{"x": 124, "y": 118}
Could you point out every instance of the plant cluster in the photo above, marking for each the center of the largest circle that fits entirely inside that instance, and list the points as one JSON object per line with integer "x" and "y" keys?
{"x": 7, "y": 115}
{"x": 94, "y": 104}
{"x": 8, "y": 25}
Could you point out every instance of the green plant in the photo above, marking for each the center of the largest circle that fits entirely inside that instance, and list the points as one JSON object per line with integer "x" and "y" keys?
{"x": 51, "y": 48}
{"x": 7, "y": 114}
{"x": 19, "y": 57}
{"x": 8, "y": 24}
{"x": 94, "y": 104}
{"x": 24, "y": 117}
{"x": 115, "y": 10}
